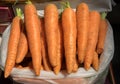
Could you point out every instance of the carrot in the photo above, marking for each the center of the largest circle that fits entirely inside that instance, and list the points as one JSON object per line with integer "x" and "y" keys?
{"x": 92, "y": 38}
{"x": 102, "y": 34}
{"x": 19, "y": 66}
{"x": 51, "y": 29}
{"x": 59, "y": 50}
{"x": 95, "y": 61}
{"x": 69, "y": 36}
{"x": 22, "y": 47}
{"x": 75, "y": 66}
{"x": 82, "y": 15}
{"x": 32, "y": 24}
{"x": 13, "y": 43}
{"x": 46, "y": 63}
{"x": 42, "y": 68}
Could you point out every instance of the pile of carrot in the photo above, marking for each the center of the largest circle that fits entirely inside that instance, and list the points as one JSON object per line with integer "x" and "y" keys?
{"x": 56, "y": 41}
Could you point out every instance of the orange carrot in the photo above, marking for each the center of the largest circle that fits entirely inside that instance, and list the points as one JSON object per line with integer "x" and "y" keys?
{"x": 69, "y": 36}
{"x": 75, "y": 66}
{"x": 22, "y": 47}
{"x": 44, "y": 53}
{"x": 12, "y": 44}
{"x": 102, "y": 34}
{"x": 92, "y": 38}
{"x": 51, "y": 29}
{"x": 42, "y": 68}
{"x": 59, "y": 50}
{"x": 82, "y": 15}
{"x": 95, "y": 61}
{"x": 32, "y": 24}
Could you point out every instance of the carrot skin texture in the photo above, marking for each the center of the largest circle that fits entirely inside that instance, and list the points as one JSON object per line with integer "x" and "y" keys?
{"x": 102, "y": 35}
{"x": 69, "y": 36}
{"x": 92, "y": 38}
{"x": 76, "y": 65}
{"x": 32, "y": 24}
{"x": 95, "y": 62}
{"x": 22, "y": 47}
{"x": 59, "y": 50}
{"x": 12, "y": 45}
{"x": 82, "y": 15}
{"x": 51, "y": 25}
{"x": 46, "y": 63}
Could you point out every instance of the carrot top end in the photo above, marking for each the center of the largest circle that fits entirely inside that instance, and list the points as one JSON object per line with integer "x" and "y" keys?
{"x": 28, "y": 2}
{"x": 68, "y": 4}
{"x": 65, "y": 5}
{"x": 19, "y": 12}
{"x": 103, "y": 15}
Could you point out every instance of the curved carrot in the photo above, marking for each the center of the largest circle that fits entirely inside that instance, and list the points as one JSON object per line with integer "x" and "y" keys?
{"x": 82, "y": 15}
{"x": 22, "y": 46}
{"x": 51, "y": 29}
{"x": 92, "y": 38}
{"x": 95, "y": 61}
{"x": 32, "y": 24}
{"x": 44, "y": 53}
{"x": 102, "y": 34}
{"x": 59, "y": 50}
{"x": 12, "y": 44}
{"x": 69, "y": 33}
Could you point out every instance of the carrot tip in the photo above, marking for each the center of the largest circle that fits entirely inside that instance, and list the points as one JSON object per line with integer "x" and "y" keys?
{"x": 75, "y": 70}
{"x": 70, "y": 71}
{"x": 18, "y": 61}
{"x": 56, "y": 72}
{"x": 87, "y": 67}
{"x": 37, "y": 73}
{"x": 99, "y": 51}
{"x": 80, "y": 61}
{"x": 96, "y": 69}
{"x": 6, "y": 75}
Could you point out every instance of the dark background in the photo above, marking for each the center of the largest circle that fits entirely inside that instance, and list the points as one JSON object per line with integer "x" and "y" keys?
{"x": 114, "y": 19}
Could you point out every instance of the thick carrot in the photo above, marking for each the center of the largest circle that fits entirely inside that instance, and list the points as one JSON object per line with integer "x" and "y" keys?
{"x": 51, "y": 29}
{"x": 95, "y": 61}
{"x": 22, "y": 46}
{"x": 82, "y": 15}
{"x": 32, "y": 24}
{"x": 44, "y": 53}
{"x": 92, "y": 38}
{"x": 102, "y": 34}
{"x": 12, "y": 44}
{"x": 59, "y": 50}
{"x": 69, "y": 36}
